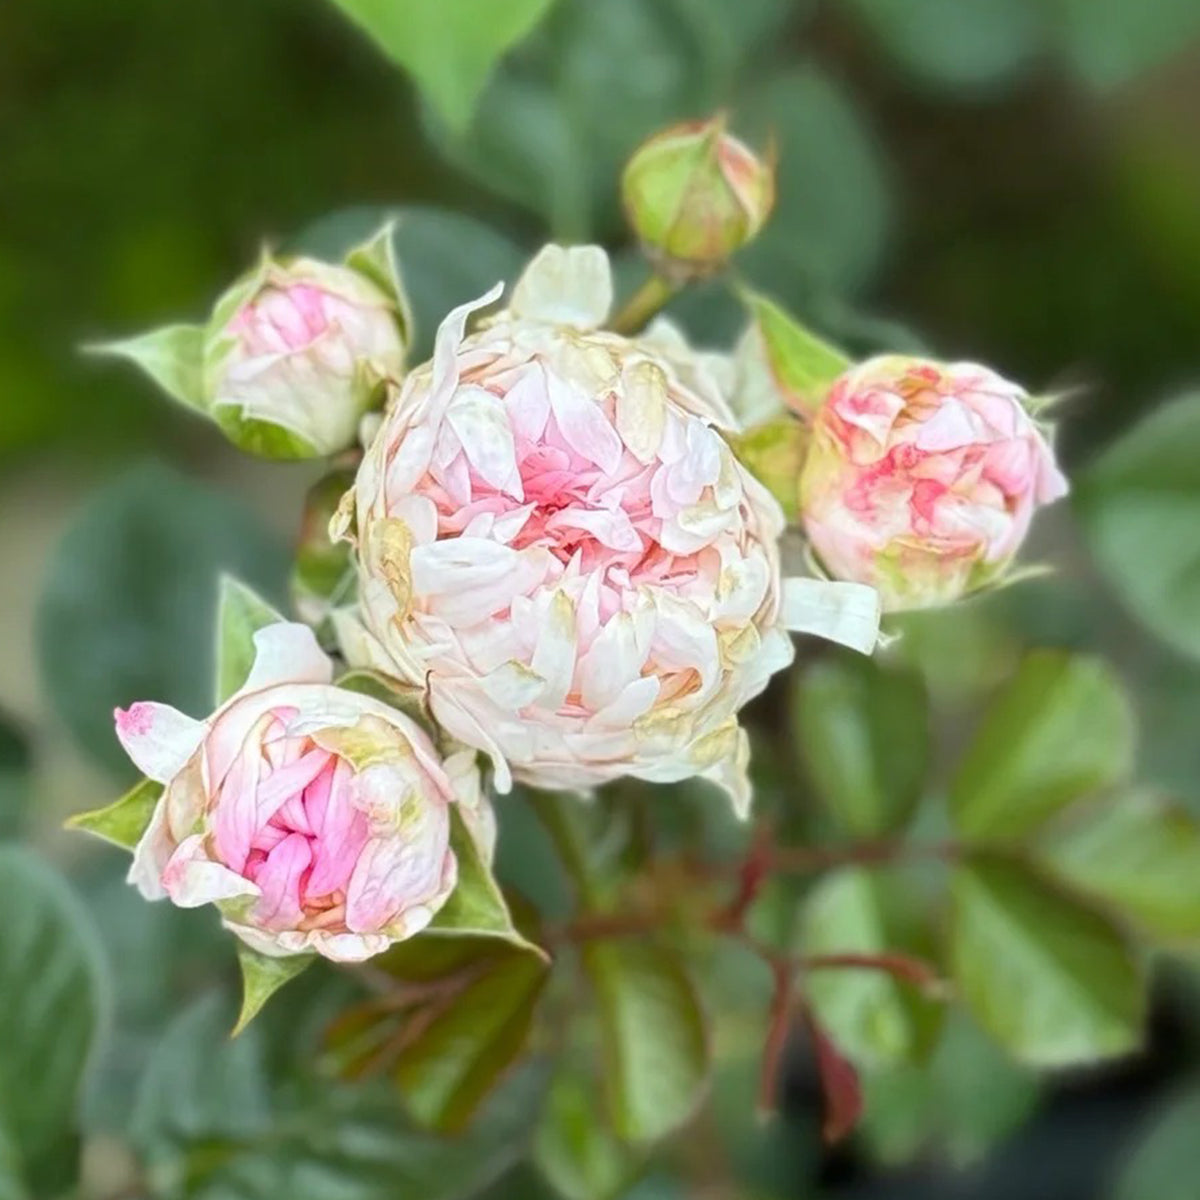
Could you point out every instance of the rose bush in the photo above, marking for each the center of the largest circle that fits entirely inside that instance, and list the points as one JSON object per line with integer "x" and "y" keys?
{"x": 315, "y": 818}
{"x": 555, "y": 538}
{"x": 921, "y": 479}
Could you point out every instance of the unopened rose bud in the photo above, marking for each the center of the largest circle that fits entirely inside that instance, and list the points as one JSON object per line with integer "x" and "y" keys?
{"x": 293, "y": 355}
{"x": 922, "y": 478}
{"x": 694, "y": 194}
{"x": 314, "y": 817}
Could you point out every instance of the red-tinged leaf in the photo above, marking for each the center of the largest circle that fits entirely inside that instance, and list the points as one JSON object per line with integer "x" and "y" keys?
{"x": 779, "y": 1027}
{"x": 839, "y": 1082}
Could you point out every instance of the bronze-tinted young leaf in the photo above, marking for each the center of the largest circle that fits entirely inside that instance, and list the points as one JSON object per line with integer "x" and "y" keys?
{"x": 654, "y": 1036}
{"x": 839, "y": 1082}
{"x": 124, "y": 821}
{"x": 455, "y": 1018}
{"x": 863, "y": 730}
{"x": 1141, "y": 855}
{"x": 1053, "y": 981}
{"x": 462, "y": 1045}
{"x": 1060, "y": 729}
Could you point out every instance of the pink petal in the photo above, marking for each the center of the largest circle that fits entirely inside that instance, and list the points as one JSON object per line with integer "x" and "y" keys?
{"x": 279, "y": 882}
{"x": 339, "y": 838}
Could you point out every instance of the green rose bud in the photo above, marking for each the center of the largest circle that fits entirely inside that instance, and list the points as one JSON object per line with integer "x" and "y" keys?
{"x": 294, "y": 354}
{"x": 694, "y": 194}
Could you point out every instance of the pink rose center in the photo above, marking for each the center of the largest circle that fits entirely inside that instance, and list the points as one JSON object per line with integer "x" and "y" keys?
{"x": 281, "y": 320}
{"x": 286, "y": 821}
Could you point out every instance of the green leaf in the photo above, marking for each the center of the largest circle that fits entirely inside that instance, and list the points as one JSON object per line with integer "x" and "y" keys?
{"x": 1140, "y": 507}
{"x": 1163, "y": 1163}
{"x": 596, "y": 843}
{"x": 52, "y": 982}
{"x": 573, "y": 1148}
{"x": 862, "y": 1009}
{"x": 124, "y": 821}
{"x": 15, "y": 765}
{"x": 557, "y": 121}
{"x": 458, "y": 1057}
{"x": 1052, "y": 981}
{"x": 830, "y": 227}
{"x": 127, "y": 609}
{"x": 653, "y": 1033}
{"x": 172, "y": 356}
{"x": 476, "y": 907}
{"x": 448, "y": 49}
{"x": 241, "y": 613}
{"x": 446, "y": 258}
{"x": 200, "y": 1085}
{"x": 1060, "y": 729}
{"x": 863, "y": 730}
{"x": 353, "y": 1143}
{"x": 1109, "y": 43}
{"x": 262, "y": 976}
{"x": 12, "y": 1186}
{"x": 1141, "y": 855}
{"x": 802, "y": 364}
{"x": 956, "y": 46}
{"x": 961, "y": 1103}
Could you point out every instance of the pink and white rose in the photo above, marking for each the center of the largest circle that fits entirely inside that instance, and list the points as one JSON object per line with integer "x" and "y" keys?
{"x": 555, "y": 540}
{"x": 315, "y": 818}
{"x": 922, "y": 478}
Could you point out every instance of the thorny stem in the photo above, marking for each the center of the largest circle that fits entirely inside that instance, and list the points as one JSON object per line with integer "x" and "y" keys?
{"x": 643, "y": 304}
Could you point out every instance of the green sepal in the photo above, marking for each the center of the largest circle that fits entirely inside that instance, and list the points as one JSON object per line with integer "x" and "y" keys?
{"x": 172, "y": 356}
{"x": 773, "y": 453}
{"x": 262, "y": 438}
{"x": 125, "y": 820}
{"x": 476, "y": 907}
{"x": 376, "y": 260}
{"x": 403, "y": 697}
{"x": 241, "y": 613}
{"x": 803, "y": 365}
{"x": 262, "y": 976}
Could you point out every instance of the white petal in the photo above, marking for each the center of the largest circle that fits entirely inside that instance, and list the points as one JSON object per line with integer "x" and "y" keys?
{"x": 192, "y": 879}
{"x": 287, "y": 652}
{"x": 583, "y": 425}
{"x": 445, "y": 352}
{"x": 846, "y": 613}
{"x": 481, "y": 423}
{"x": 565, "y": 286}
{"x": 554, "y": 654}
{"x": 160, "y": 739}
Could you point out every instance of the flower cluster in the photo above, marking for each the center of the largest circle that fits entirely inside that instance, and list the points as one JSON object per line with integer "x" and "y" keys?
{"x": 560, "y": 551}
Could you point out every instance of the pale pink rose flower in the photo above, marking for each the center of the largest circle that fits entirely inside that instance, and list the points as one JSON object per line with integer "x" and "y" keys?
{"x": 315, "y": 818}
{"x": 555, "y": 539}
{"x": 922, "y": 478}
{"x": 297, "y": 355}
